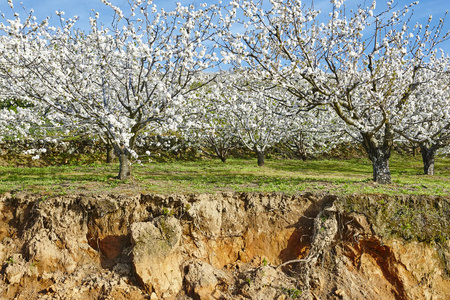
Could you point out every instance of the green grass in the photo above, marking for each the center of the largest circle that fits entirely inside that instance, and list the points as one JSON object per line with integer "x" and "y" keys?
{"x": 410, "y": 217}
{"x": 211, "y": 176}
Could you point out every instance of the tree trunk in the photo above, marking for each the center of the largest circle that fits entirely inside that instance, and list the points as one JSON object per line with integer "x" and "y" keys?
{"x": 221, "y": 153}
{"x": 414, "y": 151}
{"x": 109, "y": 153}
{"x": 124, "y": 162}
{"x": 124, "y": 167}
{"x": 427, "y": 158}
{"x": 379, "y": 153}
{"x": 301, "y": 147}
{"x": 260, "y": 155}
{"x": 380, "y": 164}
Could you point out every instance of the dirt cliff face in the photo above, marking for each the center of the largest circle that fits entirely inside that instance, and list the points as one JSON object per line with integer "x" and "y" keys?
{"x": 223, "y": 246}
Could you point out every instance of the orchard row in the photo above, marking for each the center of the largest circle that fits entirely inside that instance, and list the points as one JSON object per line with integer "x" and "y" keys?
{"x": 245, "y": 71}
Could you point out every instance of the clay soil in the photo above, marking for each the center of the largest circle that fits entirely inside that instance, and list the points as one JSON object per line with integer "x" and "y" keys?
{"x": 221, "y": 246}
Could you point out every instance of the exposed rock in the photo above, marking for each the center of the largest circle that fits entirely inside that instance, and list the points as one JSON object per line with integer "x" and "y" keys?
{"x": 224, "y": 246}
{"x": 49, "y": 256}
{"x": 202, "y": 281}
{"x": 16, "y": 268}
{"x": 419, "y": 269}
{"x": 232, "y": 227}
{"x": 156, "y": 262}
{"x": 266, "y": 282}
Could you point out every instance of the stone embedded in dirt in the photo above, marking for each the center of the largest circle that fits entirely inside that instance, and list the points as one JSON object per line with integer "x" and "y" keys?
{"x": 202, "y": 281}
{"x": 14, "y": 273}
{"x": 267, "y": 282}
{"x": 16, "y": 268}
{"x": 48, "y": 255}
{"x": 156, "y": 262}
{"x": 359, "y": 221}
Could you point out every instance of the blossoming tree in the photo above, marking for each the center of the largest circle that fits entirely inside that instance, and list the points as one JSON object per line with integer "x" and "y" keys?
{"x": 363, "y": 63}
{"x": 260, "y": 113}
{"x": 205, "y": 124}
{"x": 118, "y": 79}
{"x": 428, "y": 112}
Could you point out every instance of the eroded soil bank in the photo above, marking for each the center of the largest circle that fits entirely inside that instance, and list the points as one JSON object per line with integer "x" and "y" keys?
{"x": 223, "y": 246}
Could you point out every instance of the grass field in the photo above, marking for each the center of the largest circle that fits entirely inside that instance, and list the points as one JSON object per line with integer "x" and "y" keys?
{"x": 211, "y": 176}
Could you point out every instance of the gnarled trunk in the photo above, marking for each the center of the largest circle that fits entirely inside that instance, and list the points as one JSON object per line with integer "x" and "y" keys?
{"x": 379, "y": 153}
{"x": 380, "y": 164}
{"x": 219, "y": 146}
{"x": 124, "y": 162}
{"x": 301, "y": 146}
{"x": 427, "y": 158}
{"x": 124, "y": 167}
{"x": 221, "y": 153}
{"x": 260, "y": 155}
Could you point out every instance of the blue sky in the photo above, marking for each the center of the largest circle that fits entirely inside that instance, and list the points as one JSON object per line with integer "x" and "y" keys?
{"x": 82, "y": 8}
